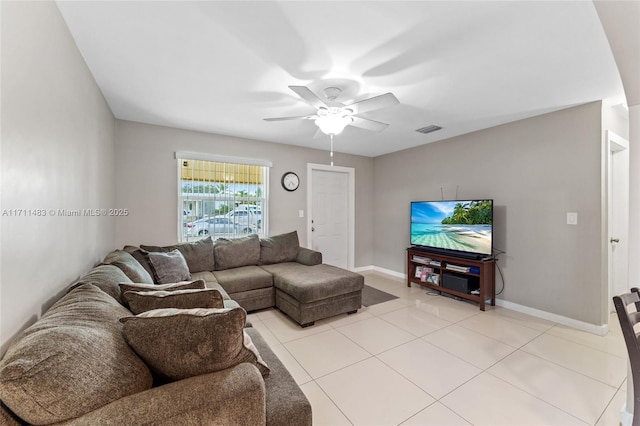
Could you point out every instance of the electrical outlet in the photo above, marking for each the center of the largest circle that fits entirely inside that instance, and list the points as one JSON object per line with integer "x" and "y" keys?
{"x": 572, "y": 218}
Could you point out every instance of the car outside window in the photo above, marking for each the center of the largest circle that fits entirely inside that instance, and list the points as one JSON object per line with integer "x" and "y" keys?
{"x": 221, "y": 199}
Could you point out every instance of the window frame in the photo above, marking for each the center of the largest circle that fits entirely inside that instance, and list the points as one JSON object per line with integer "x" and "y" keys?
{"x": 181, "y": 156}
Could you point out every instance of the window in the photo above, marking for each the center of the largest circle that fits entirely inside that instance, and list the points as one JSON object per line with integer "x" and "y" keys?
{"x": 221, "y": 198}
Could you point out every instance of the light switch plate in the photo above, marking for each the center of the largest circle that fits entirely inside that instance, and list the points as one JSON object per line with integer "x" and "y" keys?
{"x": 572, "y": 218}
{"x": 300, "y": 213}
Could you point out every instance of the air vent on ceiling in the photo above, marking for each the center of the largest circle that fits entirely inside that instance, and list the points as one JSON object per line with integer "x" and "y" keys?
{"x": 429, "y": 129}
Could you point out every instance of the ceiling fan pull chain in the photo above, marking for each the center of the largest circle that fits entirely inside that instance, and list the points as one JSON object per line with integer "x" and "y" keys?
{"x": 331, "y": 155}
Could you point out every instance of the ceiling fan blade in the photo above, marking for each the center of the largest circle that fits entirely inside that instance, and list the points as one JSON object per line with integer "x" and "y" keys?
{"x": 299, "y": 117}
{"x": 308, "y": 96}
{"x": 377, "y": 102}
{"x": 365, "y": 123}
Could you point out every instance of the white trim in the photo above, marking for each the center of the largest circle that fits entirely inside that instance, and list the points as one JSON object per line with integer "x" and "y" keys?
{"x": 619, "y": 142}
{"x": 626, "y": 418}
{"x": 381, "y": 270}
{"x": 363, "y": 268}
{"x": 611, "y": 143}
{"x": 179, "y": 202}
{"x": 351, "y": 225}
{"x": 265, "y": 206}
{"x": 600, "y": 330}
{"x": 185, "y": 155}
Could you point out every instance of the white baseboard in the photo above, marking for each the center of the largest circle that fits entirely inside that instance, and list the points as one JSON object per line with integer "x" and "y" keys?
{"x": 600, "y": 330}
{"x": 382, "y": 270}
{"x": 626, "y": 418}
{"x": 363, "y": 268}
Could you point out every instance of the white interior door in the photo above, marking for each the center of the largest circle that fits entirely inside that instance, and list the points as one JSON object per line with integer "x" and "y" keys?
{"x": 331, "y": 206}
{"x": 618, "y": 216}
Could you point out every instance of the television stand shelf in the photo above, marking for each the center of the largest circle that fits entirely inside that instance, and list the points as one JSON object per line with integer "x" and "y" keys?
{"x": 453, "y": 275}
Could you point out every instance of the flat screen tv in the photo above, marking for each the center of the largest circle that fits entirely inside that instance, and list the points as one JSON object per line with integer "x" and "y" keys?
{"x": 460, "y": 227}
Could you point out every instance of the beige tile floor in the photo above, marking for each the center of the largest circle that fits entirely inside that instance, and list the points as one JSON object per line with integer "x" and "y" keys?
{"x": 425, "y": 359}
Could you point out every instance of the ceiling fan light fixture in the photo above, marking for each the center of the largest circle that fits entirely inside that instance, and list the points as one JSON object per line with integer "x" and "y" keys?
{"x": 332, "y": 123}
{"x": 332, "y": 117}
{"x": 332, "y": 93}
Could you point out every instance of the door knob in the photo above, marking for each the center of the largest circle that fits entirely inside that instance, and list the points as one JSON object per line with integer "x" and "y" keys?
{"x": 614, "y": 240}
{"x": 313, "y": 229}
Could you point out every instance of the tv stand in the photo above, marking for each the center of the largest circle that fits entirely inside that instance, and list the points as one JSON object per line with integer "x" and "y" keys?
{"x": 449, "y": 253}
{"x": 451, "y": 274}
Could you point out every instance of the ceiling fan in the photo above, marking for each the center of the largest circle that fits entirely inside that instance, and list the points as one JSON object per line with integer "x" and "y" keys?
{"x": 332, "y": 117}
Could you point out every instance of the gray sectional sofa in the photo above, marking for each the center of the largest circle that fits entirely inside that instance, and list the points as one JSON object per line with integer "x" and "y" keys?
{"x": 90, "y": 360}
{"x": 275, "y": 271}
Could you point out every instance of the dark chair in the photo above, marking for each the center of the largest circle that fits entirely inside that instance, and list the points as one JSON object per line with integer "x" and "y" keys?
{"x": 627, "y": 321}
{"x": 636, "y": 290}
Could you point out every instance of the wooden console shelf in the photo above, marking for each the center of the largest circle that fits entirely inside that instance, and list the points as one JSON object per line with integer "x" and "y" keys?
{"x": 462, "y": 275}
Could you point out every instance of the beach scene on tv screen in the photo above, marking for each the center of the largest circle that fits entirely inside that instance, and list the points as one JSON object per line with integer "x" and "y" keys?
{"x": 455, "y": 225}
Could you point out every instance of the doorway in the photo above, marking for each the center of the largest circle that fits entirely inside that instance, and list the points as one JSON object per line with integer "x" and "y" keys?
{"x": 617, "y": 205}
{"x": 331, "y": 207}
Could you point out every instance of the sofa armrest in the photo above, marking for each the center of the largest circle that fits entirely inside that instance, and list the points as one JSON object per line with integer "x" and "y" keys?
{"x": 234, "y": 396}
{"x": 309, "y": 257}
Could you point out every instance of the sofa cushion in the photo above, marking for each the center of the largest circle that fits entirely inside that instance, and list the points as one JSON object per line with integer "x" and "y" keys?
{"x": 234, "y": 396}
{"x": 244, "y": 278}
{"x": 106, "y": 278}
{"x": 184, "y": 285}
{"x": 142, "y": 256}
{"x": 181, "y": 343}
{"x": 169, "y": 267}
{"x": 309, "y": 257}
{"x": 129, "y": 265}
{"x": 279, "y": 248}
{"x": 71, "y": 362}
{"x": 206, "y": 276}
{"x": 237, "y": 252}
{"x": 285, "y": 401}
{"x": 230, "y": 304}
{"x": 216, "y": 286}
{"x": 312, "y": 283}
{"x": 198, "y": 254}
{"x": 142, "y": 301}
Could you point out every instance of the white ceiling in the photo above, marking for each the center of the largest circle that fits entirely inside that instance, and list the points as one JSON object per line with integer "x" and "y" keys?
{"x": 221, "y": 67}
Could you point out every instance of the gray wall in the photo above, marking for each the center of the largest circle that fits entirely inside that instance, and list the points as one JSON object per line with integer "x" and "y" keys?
{"x": 536, "y": 170}
{"x": 58, "y": 149}
{"x": 146, "y": 183}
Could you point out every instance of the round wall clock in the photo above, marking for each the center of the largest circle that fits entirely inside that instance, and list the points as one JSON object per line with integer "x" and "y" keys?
{"x": 290, "y": 181}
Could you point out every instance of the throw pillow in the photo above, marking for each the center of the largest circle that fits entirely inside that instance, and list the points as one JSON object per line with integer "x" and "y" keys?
{"x": 142, "y": 256}
{"x": 279, "y": 248}
{"x": 169, "y": 267}
{"x": 181, "y": 343}
{"x": 198, "y": 254}
{"x": 73, "y": 360}
{"x": 129, "y": 265}
{"x": 237, "y": 252}
{"x": 185, "y": 285}
{"x": 142, "y": 301}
